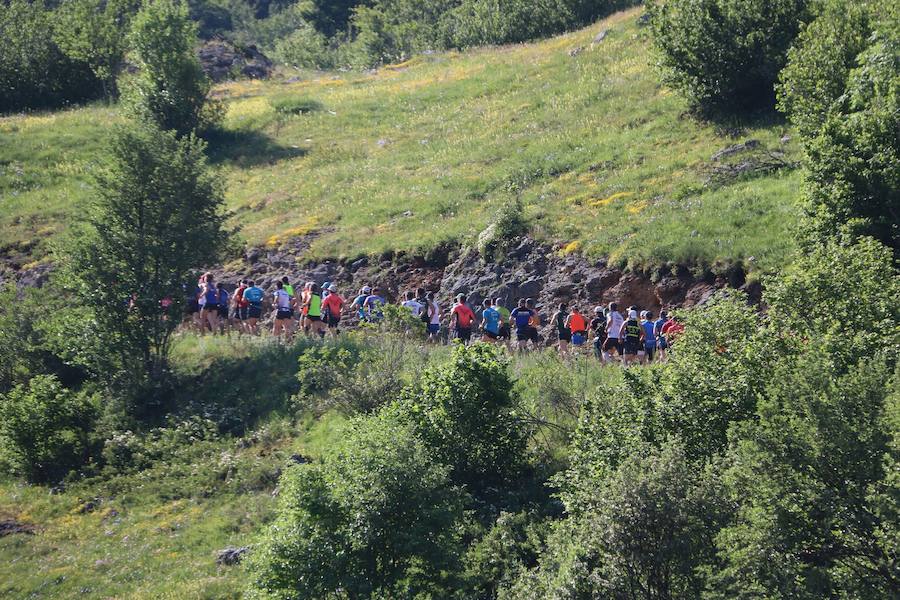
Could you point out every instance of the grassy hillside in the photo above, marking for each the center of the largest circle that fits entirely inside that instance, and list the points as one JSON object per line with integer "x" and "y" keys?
{"x": 423, "y": 152}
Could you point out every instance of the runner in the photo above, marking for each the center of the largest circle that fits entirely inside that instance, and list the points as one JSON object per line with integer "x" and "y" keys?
{"x": 560, "y": 319}
{"x": 614, "y": 323}
{"x": 282, "y": 311}
{"x": 598, "y": 331}
{"x": 521, "y": 316}
{"x": 577, "y": 327}
{"x": 374, "y": 303}
{"x": 490, "y": 322}
{"x": 661, "y": 344}
{"x": 288, "y": 287}
{"x": 240, "y": 306}
{"x": 649, "y": 336}
{"x": 326, "y": 289}
{"x": 209, "y": 314}
{"x": 359, "y": 303}
{"x": 505, "y": 326}
{"x": 433, "y": 310}
{"x": 254, "y": 297}
{"x": 225, "y": 322}
{"x": 533, "y": 323}
{"x": 414, "y": 306}
{"x": 672, "y": 329}
{"x": 332, "y": 306}
{"x": 461, "y": 319}
{"x": 303, "y": 303}
{"x": 632, "y": 335}
{"x": 313, "y": 308}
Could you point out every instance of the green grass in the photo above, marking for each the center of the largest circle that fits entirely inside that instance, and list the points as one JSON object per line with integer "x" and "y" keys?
{"x": 421, "y": 153}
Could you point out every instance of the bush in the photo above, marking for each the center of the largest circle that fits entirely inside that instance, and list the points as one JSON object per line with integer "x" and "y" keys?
{"x": 45, "y": 429}
{"x": 725, "y": 55}
{"x": 850, "y": 130}
{"x": 378, "y": 518}
{"x": 34, "y": 72}
{"x": 464, "y": 411}
{"x": 304, "y": 47}
{"x": 507, "y": 226}
{"x": 648, "y": 535}
{"x": 294, "y": 105}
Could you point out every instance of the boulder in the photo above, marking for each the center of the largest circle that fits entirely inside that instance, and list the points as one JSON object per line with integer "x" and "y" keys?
{"x": 222, "y": 60}
{"x": 231, "y": 555}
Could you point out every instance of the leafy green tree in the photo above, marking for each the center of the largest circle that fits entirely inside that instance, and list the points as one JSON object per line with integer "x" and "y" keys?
{"x": 648, "y": 534}
{"x": 157, "y": 214}
{"x": 465, "y": 412}
{"x": 95, "y": 32}
{"x": 169, "y": 88}
{"x": 377, "y": 518}
{"x": 34, "y": 72}
{"x": 45, "y": 429}
{"x": 725, "y": 55}
{"x": 840, "y": 88}
{"x": 809, "y": 475}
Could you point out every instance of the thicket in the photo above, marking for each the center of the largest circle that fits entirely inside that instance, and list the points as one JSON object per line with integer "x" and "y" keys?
{"x": 840, "y": 89}
{"x": 724, "y": 56}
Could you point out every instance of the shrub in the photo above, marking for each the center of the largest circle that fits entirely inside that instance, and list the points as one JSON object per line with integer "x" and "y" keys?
{"x": 304, "y": 47}
{"x": 378, "y": 518}
{"x": 725, "y": 55}
{"x": 34, "y": 72}
{"x": 505, "y": 229}
{"x": 851, "y": 133}
{"x": 465, "y": 412}
{"x": 648, "y": 535}
{"x": 45, "y": 429}
{"x": 294, "y": 105}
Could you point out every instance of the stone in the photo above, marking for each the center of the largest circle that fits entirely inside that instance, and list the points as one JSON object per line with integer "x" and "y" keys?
{"x": 231, "y": 555}
{"x": 600, "y": 36}
{"x": 735, "y": 149}
{"x": 11, "y": 526}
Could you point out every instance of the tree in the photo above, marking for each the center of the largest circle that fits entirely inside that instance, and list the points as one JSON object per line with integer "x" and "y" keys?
{"x": 810, "y": 477}
{"x": 377, "y": 518}
{"x": 157, "y": 215}
{"x": 841, "y": 88}
{"x": 95, "y": 32}
{"x": 169, "y": 88}
{"x": 725, "y": 55}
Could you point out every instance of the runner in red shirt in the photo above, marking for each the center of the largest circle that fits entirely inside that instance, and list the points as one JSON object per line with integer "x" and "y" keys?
{"x": 461, "y": 319}
{"x": 332, "y": 306}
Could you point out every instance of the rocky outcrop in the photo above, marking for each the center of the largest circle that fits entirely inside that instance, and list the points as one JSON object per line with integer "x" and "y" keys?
{"x": 223, "y": 60}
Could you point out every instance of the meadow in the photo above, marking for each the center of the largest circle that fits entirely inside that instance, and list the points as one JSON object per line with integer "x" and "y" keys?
{"x": 606, "y": 160}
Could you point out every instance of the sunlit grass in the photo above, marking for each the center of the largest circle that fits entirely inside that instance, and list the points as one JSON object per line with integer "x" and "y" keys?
{"x": 423, "y": 152}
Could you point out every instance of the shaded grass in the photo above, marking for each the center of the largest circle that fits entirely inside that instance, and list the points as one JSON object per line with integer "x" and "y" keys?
{"x": 421, "y": 154}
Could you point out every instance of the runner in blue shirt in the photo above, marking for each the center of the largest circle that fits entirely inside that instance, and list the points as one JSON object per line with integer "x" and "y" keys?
{"x": 490, "y": 322}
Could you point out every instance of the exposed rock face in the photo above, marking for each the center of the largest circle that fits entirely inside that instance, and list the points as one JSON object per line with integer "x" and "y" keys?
{"x": 10, "y": 526}
{"x": 222, "y": 60}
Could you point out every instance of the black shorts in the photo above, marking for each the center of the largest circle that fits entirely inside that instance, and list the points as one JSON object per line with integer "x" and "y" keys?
{"x": 533, "y": 334}
{"x": 254, "y": 312}
{"x": 333, "y": 322}
{"x": 464, "y": 333}
{"x": 612, "y": 344}
{"x": 314, "y": 318}
{"x": 505, "y": 332}
{"x": 223, "y": 312}
{"x": 241, "y": 313}
{"x": 632, "y": 347}
{"x": 565, "y": 335}
{"x": 211, "y": 307}
{"x": 491, "y": 335}
{"x": 283, "y": 314}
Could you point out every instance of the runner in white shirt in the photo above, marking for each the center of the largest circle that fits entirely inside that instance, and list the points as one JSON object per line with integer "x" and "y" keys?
{"x": 613, "y": 326}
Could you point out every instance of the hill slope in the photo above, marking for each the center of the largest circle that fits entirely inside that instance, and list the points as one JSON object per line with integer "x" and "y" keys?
{"x": 423, "y": 152}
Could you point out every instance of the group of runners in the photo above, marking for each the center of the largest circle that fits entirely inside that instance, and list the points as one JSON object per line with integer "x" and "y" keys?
{"x": 636, "y": 336}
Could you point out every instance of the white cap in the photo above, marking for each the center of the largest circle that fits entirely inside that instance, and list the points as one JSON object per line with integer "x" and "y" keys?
{"x": 366, "y": 289}
{"x": 332, "y": 288}
{"x": 632, "y": 314}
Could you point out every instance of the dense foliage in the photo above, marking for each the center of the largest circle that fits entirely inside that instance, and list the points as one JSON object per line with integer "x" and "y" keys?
{"x": 841, "y": 89}
{"x": 725, "y": 55}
